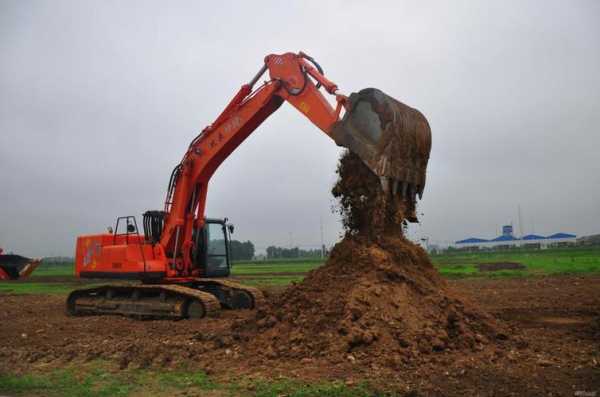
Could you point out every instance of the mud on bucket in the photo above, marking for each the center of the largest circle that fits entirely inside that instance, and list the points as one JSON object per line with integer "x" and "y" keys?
{"x": 391, "y": 138}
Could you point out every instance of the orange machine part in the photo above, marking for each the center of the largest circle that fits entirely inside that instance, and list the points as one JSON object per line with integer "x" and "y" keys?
{"x": 121, "y": 256}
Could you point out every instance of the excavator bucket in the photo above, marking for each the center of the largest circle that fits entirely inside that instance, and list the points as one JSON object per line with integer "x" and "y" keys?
{"x": 13, "y": 267}
{"x": 391, "y": 138}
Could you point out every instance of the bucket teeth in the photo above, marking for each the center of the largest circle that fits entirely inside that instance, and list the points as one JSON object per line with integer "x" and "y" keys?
{"x": 395, "y": 187}
{"x": 385, "y": 183}
{"x": 407, "y": 191}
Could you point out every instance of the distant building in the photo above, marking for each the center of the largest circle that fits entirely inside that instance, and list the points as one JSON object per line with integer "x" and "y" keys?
{"x": 508, "y": 240}
{"x": 532, "y": 241}
{"x": 507, "y": 230}
{"x": 593, "y": 239}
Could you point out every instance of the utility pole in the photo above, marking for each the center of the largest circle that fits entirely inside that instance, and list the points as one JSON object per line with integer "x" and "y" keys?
{"x": 520, "y": 221}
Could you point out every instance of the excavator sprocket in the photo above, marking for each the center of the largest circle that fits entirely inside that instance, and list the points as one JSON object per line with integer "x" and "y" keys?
{"x": 230, "y": 294}
{"x": 391, "y": 138}
{"x": 198, "y": 299}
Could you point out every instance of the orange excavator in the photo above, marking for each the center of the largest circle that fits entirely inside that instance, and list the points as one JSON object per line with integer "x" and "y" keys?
{"x": 182, "y": 258}
{"x": 13, "y": 267}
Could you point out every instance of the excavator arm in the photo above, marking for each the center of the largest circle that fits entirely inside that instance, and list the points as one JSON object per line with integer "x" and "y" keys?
{"x": 375, "y": 126}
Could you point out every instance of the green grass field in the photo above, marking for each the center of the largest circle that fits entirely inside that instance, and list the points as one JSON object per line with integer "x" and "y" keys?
{"x": 58, "y": 279}
{"x": 275, "y": 266}
{"x": 537, "y": 262}
{"x": 100, "y": 379}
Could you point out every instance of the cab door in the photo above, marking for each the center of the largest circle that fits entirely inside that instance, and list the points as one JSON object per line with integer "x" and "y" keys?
{"x": 217, "y": 250}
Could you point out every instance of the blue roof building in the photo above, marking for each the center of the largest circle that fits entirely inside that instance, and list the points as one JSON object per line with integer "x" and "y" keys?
{"x": 532, "y": 237}
{"x": 472, "y": 240}
{"x": 504, "y": 237}
{"x": 561, "y": 235}
{"x": 507, "y": 240}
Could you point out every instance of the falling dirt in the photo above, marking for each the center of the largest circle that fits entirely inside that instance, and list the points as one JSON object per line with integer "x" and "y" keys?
{"x": 365, "y": 209}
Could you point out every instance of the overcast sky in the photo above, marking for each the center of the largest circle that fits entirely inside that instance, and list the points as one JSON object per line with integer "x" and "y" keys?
{"x": 100, "y": 99}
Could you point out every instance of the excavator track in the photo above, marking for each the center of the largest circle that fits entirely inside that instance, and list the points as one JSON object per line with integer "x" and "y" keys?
{"x": 157, "y": 301}
{"x": 203, "y": 297}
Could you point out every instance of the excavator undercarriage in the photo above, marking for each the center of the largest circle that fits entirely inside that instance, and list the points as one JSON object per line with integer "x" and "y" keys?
{"x": 197, "y": 299}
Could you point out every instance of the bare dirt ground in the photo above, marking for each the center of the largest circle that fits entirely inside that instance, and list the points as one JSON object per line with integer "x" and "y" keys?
{"x": 491, "y": 267}
{"x": 553, "y": 346}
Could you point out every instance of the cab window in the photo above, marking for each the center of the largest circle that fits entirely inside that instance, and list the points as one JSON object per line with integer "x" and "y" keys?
{"x": 216, "y": 240}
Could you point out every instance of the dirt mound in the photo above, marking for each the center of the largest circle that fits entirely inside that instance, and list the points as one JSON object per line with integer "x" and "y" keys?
{"x": 541, "y": 358}
{"x": 375, "y": 302}
{"x": 378, "y": 298}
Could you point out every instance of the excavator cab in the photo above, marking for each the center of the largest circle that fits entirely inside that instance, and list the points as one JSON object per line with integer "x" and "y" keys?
{"x": 213, "y": 253}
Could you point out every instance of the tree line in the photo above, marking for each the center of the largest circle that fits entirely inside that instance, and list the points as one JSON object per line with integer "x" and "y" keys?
{"x": 274, "y": 252}
{"x": 241, "y": 251}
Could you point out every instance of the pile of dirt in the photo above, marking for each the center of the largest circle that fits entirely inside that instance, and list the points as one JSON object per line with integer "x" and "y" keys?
{"x": 541, "y": 358}
{"x": 377, "y": 300}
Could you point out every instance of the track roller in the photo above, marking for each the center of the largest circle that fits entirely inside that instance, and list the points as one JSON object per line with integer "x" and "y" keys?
{"x": 231, "y": 295}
